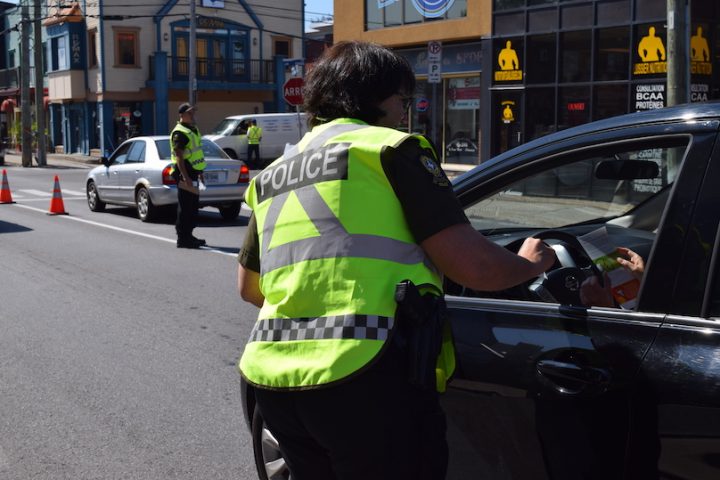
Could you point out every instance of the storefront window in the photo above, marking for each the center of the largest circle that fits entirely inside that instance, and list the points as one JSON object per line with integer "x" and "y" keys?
{"x": 613, "y": 54}
{"x": 542, "y": 20}
{"x": 609, "y": 13}
{"x": 508, "y": 4}
{"x": 573, "y": 106}
{"x": 540, "y": 116}
{"x": 391, "y": 13}
{"x": 575, "y": 50}
{"x": 610, "y": 100}
{"x": 650, "y": 9}
{"x": 540, "y": 59}
{"x": 462, "y": 120}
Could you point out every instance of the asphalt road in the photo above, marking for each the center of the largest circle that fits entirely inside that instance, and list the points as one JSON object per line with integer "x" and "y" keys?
{"x": 117, "y": 350}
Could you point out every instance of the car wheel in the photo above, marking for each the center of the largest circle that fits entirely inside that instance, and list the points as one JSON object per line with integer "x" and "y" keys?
{"x": 231, "y": 153}
{"x": 93, "y": 198}
{"x": 269, "y": 461}
{"x": 230, "y": 212}
{"x": 145, "y": 208}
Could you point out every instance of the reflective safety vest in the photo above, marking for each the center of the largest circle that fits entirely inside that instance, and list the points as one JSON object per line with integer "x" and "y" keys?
{"x": 254, "y": 135}
{"x": 193, "y": 153}
{"x": 334, "y": 242}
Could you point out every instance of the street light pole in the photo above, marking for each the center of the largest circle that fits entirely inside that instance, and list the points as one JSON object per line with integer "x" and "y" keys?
{"x": 677, "y": 55}
{"x": 192, "y": 81}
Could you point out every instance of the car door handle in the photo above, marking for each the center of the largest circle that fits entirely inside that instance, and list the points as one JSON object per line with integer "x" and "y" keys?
{"x": 569, "y": 378}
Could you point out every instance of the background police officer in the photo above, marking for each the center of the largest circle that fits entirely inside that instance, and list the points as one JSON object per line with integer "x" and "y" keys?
{"x": 254, "y": 136}
{"x": 355, "y": 208}
{"x": 188, "y": 164}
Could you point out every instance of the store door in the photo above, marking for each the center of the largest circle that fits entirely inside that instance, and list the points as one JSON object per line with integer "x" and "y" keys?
{"x": 506, "y": 120}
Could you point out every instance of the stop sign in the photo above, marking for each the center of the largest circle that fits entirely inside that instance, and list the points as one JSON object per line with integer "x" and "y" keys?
{"x": 293, "y": 91}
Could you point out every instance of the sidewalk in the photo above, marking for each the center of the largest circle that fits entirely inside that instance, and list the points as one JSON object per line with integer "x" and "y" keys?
{"x": 14, "y": 158}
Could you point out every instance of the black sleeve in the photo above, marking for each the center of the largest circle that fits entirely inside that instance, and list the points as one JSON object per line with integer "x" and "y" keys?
{"x": 179, "y": 140}
{"x": 249, "y": 254}
{"x": 423, "y": 189}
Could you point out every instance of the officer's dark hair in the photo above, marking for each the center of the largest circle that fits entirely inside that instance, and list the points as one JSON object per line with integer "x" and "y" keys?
{"x": 350, "y": 80}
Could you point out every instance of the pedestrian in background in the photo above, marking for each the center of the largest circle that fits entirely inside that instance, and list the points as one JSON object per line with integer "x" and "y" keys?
{"x": 188, "y": 165}
{"x": 254, "y": 136}
{"x": 339, "y": 222}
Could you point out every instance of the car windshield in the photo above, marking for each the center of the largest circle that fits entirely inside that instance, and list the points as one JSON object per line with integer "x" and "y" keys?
{"x": 226, "y": 127}
{"x": 584, "y": 191}
{"x": 209, "y": 148}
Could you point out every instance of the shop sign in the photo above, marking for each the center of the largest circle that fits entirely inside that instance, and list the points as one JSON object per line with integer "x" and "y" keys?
{"x": 507, "y": 113}
{"x": 461, "y": 145}
{"x": 509, "y": 65}
{"x": 649, "y": 97}
{"x": 422, "y": 104}
{"x": 75, "y": 49}
{"x": 464, "y": 93}
{"x": 699, "y": 92}
{"x": 576, "y": 107}
{"x": 651, "y": 50}
{"x": 213, "y": 3}
{"x": 700, "y": 59}
{"x": 462, "y": 58}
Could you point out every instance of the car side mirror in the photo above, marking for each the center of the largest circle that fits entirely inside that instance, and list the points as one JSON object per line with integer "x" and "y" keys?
{"x": 626, "y": 169}
{"x": 105, "y": 161}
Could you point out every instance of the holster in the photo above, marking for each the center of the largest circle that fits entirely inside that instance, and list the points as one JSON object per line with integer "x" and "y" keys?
{"x": 420, "y": 322}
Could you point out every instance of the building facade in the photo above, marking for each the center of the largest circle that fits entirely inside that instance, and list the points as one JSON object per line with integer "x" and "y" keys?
{"x": 509, "y": 71}
{"x": 120, "y": 69}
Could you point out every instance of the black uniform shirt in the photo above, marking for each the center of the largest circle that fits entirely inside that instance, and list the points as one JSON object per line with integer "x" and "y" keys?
{"x": 421, "y": 186}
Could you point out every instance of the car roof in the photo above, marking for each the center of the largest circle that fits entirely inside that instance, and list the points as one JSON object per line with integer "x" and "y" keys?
{"x": 691, "y": 112}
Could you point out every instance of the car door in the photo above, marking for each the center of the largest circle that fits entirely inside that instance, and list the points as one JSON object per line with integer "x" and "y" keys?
{"x": 546, "y": 390}
{"x": 680, "y": 377}
{"x": 131, "y": 170}
{"x": 109, "y": 182}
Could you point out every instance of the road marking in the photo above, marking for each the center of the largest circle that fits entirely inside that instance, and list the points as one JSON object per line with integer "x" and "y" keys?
{"x": 124, "y": 230}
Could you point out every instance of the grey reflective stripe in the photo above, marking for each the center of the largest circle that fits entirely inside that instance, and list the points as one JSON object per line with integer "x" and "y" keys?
{"x": 334, "y": 240}
{"x": 319, "y": 140}
{"x": 359, "y": 327}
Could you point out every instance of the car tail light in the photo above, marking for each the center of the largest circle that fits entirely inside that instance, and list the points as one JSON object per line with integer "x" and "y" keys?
{"x": 168, "y": 179}
{"x": 244, "y": 176}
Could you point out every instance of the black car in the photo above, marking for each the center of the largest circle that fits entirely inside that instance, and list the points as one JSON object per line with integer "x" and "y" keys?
{"x": 548, "y": 388}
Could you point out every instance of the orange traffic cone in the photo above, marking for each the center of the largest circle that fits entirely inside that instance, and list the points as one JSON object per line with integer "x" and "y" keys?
{"x": 5, "y": 195}
{"x": 57, "y": 207}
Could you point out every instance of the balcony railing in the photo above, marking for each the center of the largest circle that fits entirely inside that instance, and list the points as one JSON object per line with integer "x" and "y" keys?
{"x": 219, "y": 70}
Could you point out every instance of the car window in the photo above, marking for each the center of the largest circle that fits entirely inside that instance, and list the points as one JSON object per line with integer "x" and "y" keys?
{"x": 226, "y": 127}
{"x": 120, "y": 155}
{"x": 136, "y": 153}
{"x": 163, "y": 148}
{"x": 212, "y": 150}
{"x": 573, "y": 193}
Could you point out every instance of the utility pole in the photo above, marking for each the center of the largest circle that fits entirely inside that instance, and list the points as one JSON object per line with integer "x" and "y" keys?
{"x": 677, "y": 55}
{"x": 192, "y": 81}
{"x": 39, "y": 90}
{"x": 26, "y": 126}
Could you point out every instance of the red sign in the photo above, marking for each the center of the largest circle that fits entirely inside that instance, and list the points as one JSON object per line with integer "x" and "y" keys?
{"x": 293, "y": 91}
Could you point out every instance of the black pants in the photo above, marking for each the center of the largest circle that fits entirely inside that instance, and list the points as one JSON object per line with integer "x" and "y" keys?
{"x": 374, "y": 426}
{"x": 187, "y": 209}
{"x": 254, "y": 148}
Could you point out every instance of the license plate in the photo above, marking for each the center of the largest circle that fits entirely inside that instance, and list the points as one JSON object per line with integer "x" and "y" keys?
{"x": 214, "y": 178}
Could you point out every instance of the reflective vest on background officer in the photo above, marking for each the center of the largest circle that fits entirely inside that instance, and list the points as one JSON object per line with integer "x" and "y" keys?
{"x": 254, "y": 135}
{"x": 328, "y": 269}
{"x": 193, "y": 153}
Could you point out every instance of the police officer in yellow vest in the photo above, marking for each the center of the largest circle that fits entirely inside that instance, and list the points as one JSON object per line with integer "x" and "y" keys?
{"x": 254, "y": 136}
{"x": 355, "y": 209}
{"x": 188, "y": 164}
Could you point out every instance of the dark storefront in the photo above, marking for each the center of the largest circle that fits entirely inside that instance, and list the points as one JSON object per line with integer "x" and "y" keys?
{"x": 555, "y": 64}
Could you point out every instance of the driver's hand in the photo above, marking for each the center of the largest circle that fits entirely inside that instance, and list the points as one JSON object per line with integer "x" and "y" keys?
{"x": 632, "y": 262}
{"x": 592, "y": 294}
{"x": 538, "y": 253}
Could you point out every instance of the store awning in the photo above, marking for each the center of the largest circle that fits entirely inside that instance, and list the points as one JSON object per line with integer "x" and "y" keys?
{"x": 8, "y": 105}
{"x": 73, "y": 13}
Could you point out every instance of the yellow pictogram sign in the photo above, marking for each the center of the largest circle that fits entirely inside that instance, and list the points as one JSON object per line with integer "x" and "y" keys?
{"x": 700, "y": 54}
{"x": 509, "y": 65}
{"x": 507, "y": 113}
{"x": 652, "y": 53}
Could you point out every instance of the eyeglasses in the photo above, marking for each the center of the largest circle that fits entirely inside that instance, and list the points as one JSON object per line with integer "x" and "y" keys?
{"x": 407, "y": 101}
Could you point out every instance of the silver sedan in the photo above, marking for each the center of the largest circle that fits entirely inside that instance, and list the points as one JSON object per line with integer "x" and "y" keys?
{"x": 137, "y": 174}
